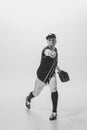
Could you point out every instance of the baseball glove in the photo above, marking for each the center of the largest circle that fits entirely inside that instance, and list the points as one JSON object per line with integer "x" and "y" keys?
{"x": 64, "y": 77}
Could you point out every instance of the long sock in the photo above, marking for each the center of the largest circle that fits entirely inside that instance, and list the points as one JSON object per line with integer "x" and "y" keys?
{"x": 54, "y": 97}
{"x": 31, "y": 95}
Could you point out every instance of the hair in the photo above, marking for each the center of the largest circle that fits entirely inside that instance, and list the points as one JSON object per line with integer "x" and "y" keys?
{"x": 51, "y": 35}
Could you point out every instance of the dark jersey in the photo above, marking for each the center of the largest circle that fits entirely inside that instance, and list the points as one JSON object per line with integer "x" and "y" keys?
{"x": 47, "y": 66}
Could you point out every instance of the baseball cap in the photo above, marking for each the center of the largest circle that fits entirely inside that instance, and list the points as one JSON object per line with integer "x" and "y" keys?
{"x": 51, "y": 35}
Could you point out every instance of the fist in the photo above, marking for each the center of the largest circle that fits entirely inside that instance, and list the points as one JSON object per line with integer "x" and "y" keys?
{"x": 50, "y": 53}
{"x": 53, "y": 54}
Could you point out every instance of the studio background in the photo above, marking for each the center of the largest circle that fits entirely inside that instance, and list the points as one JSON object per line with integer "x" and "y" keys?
{"x": 23, "y": 28}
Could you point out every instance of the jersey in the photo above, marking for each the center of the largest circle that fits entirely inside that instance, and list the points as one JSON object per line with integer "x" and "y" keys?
{"x": 47, "y": 66}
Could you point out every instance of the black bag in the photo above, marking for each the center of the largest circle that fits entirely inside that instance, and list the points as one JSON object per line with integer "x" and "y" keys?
{"x": 64, "y": 77}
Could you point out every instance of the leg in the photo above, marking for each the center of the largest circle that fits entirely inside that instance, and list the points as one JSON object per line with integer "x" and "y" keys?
{"x": 38, "y": 88}
{"x": 54, "y": 96}
{"x": 39, "y": 85}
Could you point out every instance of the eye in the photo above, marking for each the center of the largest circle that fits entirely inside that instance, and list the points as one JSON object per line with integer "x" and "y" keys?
{"x": 49, "y": 39}
{"x": 53, "y": 39}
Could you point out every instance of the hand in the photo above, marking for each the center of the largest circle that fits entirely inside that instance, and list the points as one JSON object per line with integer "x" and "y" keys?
{"x": 53, "y": 54}
{"x": 50, "y": 53}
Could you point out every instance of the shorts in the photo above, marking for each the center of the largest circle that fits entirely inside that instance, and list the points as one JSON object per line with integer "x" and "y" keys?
{"x": 39, "y": 85}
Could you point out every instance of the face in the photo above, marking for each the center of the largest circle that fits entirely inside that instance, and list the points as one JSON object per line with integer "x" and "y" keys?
{"x": 51, "y": 42}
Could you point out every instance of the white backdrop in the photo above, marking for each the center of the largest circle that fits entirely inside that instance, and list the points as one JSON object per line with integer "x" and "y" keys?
{"x": 24, "y": 25}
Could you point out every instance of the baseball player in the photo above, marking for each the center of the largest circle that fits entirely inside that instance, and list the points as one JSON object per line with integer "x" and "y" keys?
{"x": 46, "y": 74}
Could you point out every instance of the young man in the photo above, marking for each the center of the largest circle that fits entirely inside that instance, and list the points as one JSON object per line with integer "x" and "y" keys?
{"x": 46, "y": 74}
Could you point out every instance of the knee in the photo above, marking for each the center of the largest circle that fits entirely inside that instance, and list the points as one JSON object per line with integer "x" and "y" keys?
{"x": 53, "y": 89}
{"x": 35, "y": 93}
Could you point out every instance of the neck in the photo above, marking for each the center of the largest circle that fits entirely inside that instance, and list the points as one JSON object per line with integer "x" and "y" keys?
{"x": 52, "y": 47}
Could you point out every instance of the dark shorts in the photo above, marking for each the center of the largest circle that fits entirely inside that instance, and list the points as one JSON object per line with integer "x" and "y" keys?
{"x": 45, "y": 76}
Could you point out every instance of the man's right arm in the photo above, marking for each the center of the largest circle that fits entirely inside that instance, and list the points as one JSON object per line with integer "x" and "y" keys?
{"x": 50, "y": 53}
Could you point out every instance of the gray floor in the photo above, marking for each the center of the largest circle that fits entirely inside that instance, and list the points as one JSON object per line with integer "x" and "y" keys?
{"x": 72, "y": 105}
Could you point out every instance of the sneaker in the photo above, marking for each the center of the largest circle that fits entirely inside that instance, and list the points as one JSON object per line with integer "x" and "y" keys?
{"x": 53, "y": 116}
{"x": 28, "y": 105}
